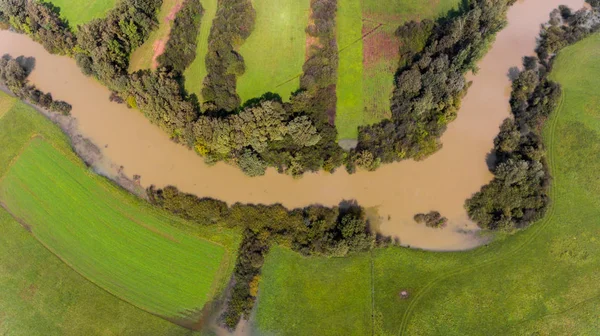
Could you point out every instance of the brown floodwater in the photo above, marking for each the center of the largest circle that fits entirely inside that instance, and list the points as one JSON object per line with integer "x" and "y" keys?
{"x": 395, "y": 192}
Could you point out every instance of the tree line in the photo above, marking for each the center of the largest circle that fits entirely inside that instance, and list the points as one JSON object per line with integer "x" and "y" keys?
{"x": 313, "y": 230}
{"x": 13, "y": 75}
{"x": 430, "y": 82}
{"x": 180, "y": 50}
{"x": 519, "y": 193}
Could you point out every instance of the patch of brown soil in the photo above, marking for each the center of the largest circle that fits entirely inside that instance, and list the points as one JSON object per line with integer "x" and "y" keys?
{"x": 311, "y": 41}
{"x": 159, "y": 45}
{"x": 379, "y": 45}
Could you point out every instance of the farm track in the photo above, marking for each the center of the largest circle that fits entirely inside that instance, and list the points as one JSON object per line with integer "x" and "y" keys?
{"x": 537, "y": 228}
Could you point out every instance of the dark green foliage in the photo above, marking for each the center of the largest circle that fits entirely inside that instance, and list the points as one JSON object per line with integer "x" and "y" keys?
{"x": 40, "y": 20}
{"x": 104, "y": 45}
{"x": 314, "y": 230}
{"x": 565, "y": 28}
{"x": 159, "y": 95}
{"x": 180, "y": 50}
{"x": 430, "y": 82}
{"x": 432, "y": 219}
{"x": 232, "y": 25}
{"x": 518, "y": 194}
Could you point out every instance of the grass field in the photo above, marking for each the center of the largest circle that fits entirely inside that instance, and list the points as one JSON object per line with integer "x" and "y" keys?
{"x": 541, "y": 281}
{"x": 350, "y": 100}
{"x": 275, "y": 51}
{"x": 153, "y": 260}
{"x": 195, "y": 73}
{"x": 380, "y": 20}
{"x": 142, "y": 57}
{"x": 78, "y": 12}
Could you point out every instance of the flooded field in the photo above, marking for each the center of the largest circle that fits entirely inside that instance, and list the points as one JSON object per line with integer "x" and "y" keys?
{"x": 394, "y": 193}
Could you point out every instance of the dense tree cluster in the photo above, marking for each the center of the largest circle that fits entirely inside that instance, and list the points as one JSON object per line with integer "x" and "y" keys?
{"x": 431, "y": 81}
{"x": 13, "y": 75}
{"x": 314, "y": 230}
{"x": 180, "y": 50}
{"x": 518, "y": 194}
{"x": 231, "y": 26}
{"x": 565, "y": 28}
{"x": 105, "y": 45}
{"x": 432, "y": 219}
{"x": 40, "y": 20}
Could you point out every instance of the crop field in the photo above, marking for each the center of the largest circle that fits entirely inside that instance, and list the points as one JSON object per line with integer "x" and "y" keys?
{"x": 195, "y": 73}
{"x": 43, "y": 296}
{"x": 143, "y": 56}
{"x": 78, "y": 12}
{"x": 540, "y": 281}
{"x": 144, "y": 256}
{"x": 380, "y": 56}
{"x": 275, "y": 51}
{"x": 350, "y": 100}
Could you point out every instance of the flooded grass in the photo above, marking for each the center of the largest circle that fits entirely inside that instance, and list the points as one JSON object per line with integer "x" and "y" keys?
{"x": 542, "y": 280}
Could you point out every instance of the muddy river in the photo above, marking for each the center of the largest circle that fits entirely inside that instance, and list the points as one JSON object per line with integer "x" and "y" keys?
{"x": 394, "y": 193}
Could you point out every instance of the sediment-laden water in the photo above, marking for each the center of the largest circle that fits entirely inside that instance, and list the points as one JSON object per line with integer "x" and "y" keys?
{"x": 395, "y": 192}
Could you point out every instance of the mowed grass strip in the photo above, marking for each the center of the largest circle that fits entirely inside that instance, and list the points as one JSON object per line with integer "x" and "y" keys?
{"x": 540, "y": 281}
{"x": 142, "y": 57}
{"x": 350, "y": 93}
{"x": 78, "y": 12}
{"x": 128, "y": 250}
{"x": 275, "y": 51}
{"x": 43, "y": 296}
{"x": 195, "y": 73}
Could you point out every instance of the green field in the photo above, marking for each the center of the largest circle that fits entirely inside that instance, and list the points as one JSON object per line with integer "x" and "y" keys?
{"x": 122, "y": 244}
{"x": 275, "y": 51}
{"x": 350, "y": 100}
{"x": 195, "y": 73}
{"x": 380, "y": 20}
{"x": 141, "y": 58}
{"x": 40, "y": 294}
{"x": 540, "y": 281}
{"x": 78, "y": 12}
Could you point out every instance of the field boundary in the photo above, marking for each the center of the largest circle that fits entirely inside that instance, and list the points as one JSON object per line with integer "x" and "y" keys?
{"x": 537, "y": 228}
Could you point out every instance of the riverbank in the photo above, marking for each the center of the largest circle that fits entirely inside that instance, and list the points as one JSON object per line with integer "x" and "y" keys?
{"x": 395, "y": 192}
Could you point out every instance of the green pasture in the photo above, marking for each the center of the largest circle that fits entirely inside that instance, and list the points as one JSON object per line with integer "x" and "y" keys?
{"x": 78, "y": 12}
{"x": 275, "y": 51}
{"x": 350, "y": 99}
{"x": 123, "y": 245}
{"x": 141, "y": 58}
{"x": 41, "y": 295}
{"x": 195, "y": 73}
{"x": 381, "y": 18}
{"x": 540, "y": 281}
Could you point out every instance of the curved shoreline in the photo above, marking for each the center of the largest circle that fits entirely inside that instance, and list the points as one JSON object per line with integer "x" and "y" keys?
{"x": 395, "y": 192}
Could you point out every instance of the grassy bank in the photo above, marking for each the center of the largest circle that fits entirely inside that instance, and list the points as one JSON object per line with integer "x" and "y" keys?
{"x": 144, "y": 256}
{"x": 41, "y": 295}
{"x": 195, "y": 73}
{"x": 542, "y": 280}
{"x": 78, "y": 12}
{"x": 275, "y": 51}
